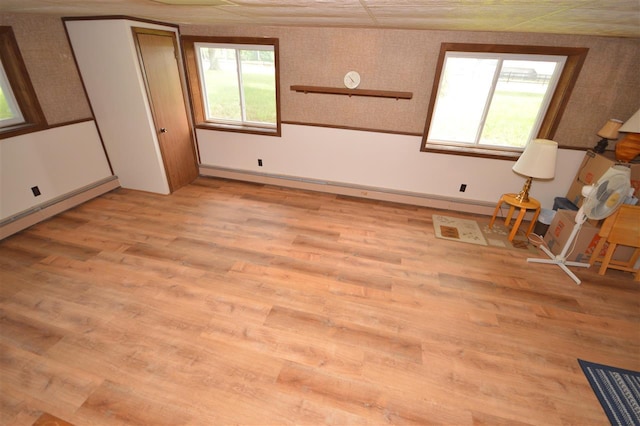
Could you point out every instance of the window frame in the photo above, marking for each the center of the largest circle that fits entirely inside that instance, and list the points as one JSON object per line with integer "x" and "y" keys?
{"x": 23, "y": 91}
{"x": 195, "y": 85}
{"x": 575, "y": 58}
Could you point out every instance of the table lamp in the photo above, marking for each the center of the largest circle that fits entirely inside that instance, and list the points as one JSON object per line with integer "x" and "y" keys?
{"x": 538, "y": 161}
{"x": 608, "y": 132}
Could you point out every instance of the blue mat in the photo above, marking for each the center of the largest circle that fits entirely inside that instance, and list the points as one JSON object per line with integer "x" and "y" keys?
{"x": 617, "y": 390}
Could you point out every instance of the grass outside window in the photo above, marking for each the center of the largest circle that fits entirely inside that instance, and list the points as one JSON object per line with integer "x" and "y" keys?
{"x": 259, "y": 89}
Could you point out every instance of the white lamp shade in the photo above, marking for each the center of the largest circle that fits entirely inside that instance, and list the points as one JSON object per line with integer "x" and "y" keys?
{"x": 538, "y": 159}
{"x": 610, "y": 129}
{"x": 632, "y": 125}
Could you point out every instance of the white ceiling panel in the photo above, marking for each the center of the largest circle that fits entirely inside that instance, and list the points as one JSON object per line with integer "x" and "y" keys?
{"x": 616, "y": 18}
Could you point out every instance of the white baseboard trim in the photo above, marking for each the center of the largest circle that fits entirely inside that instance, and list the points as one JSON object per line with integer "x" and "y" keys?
{"x": 57, "y": 205}
{"x": 423, "y": 200}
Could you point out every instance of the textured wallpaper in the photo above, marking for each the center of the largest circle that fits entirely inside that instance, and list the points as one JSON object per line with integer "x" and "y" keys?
{"x": 401, "y": 60}
{"x": 47, "y": 55}
{"x": 405, "y": 60}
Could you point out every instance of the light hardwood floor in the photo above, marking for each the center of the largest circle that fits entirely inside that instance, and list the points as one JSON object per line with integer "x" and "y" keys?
{"x": 236, "y": 303}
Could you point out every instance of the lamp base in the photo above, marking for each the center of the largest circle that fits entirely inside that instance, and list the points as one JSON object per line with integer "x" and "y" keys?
{"x": 601, "y": 146}
{"x": 523, "y": 195}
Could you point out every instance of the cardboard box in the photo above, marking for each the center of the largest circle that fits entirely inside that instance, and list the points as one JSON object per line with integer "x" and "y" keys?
{"x": 592, "y": 168}
{"x": 560, "y": 230}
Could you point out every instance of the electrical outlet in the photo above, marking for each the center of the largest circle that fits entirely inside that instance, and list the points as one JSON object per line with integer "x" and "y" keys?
{"x": 36, "y": 191}
{"x": 260, "y": 162}
{"x": 463, "y": 187}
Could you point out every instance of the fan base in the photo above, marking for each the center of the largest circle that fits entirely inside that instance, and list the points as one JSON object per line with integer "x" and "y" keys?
{"x": 562, "y": 263}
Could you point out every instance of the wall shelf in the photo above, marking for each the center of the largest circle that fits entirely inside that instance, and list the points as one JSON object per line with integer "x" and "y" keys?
{"x": 353, "y": 92}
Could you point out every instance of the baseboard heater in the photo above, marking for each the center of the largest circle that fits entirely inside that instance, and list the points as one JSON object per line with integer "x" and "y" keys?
{"x": 381, "y": 194}
{"x": 35, "y": 214}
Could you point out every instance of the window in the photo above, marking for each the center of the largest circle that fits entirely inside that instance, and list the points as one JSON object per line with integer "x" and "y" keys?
{"x": 20, "y": 111}
{"x": 491, "y": 100}
{"x": 10, "y": 113}
{"x": 234, "y": 84}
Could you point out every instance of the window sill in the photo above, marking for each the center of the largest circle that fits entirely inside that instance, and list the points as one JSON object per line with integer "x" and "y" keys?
{"x": 20, "y": 129}
{"x": 471, "y": 151}
{"x": 275, "y": 131}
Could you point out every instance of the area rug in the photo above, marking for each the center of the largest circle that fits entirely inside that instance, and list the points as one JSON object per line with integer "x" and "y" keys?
{"x": 498, "y": 236}
{"x": 474, "y": 232}
{"x": 456, "y": 229}
{"x": 617, "y": 390}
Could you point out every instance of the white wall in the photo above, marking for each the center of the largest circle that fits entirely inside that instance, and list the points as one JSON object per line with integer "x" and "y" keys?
{"x": 379, "y": 160}
{"x": 108, "y": 63}
{"x": 59, "y": 161}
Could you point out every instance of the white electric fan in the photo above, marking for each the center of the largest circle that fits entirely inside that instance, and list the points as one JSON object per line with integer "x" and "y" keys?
{"x": 601, "y": 200}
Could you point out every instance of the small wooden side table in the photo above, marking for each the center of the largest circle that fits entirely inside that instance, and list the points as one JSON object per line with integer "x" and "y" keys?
{"x": 510, "y": 199}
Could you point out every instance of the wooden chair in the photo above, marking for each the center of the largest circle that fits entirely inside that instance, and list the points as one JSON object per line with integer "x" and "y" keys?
{"x": 621, "y": 228}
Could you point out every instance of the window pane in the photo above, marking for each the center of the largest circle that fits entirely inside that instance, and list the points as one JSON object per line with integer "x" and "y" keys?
{"x": 463, "y": 94}
{"x": 9, "y": 110}
{"x": 259, "y": 85}
{"x": 515, "y": 109}
{"x": 228, "y": 98}
{"x": 220, "y": 82}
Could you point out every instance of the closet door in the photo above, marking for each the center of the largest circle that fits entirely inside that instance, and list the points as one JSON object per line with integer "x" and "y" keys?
{"x": 158, "y": 55}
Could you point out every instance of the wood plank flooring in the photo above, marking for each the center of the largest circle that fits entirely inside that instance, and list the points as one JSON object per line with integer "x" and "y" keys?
{"x": 237, "y": 303}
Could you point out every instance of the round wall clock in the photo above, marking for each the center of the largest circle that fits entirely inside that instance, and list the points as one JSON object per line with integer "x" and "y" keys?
{"x": 351, "y": 79}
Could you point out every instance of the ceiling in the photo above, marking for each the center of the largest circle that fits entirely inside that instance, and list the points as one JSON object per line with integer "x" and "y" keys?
{"x": 615, "y": 18}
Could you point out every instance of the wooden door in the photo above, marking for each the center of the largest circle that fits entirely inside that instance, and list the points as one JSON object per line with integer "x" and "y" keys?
{"x": 158, "y": 54}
